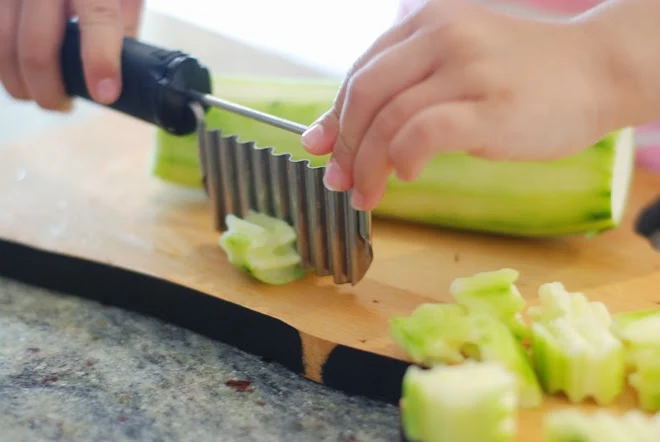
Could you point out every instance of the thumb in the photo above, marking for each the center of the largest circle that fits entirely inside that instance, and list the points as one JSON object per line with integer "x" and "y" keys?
{"x": 101, "y": 40}
{"x": 321, "y": 136}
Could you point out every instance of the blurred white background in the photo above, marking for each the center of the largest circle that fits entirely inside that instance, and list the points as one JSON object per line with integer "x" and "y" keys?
{"x": 327, "y": 34}
{"x": 276, "y": 37}
{"x": 284, "y": 37}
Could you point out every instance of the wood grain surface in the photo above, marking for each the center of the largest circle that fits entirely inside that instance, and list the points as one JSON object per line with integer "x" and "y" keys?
{"x": 84, "y": 192}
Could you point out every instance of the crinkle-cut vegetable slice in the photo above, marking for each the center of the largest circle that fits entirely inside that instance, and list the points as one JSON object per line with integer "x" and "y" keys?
{"x": 264, "y": 247}
{"x": 557, "y": 302}
{"x": 454, "y": 190}
{"x": 471, "y": 402}
{"x": 433, "y": 334}
{"x": 494, "y": 342}
{"x": 574, "y": 350}
{"x": 495, "y": 293}
{"x": 439, "y": 334}
{"x": 640, "y": 332}
{"x": 645, "y": 377}
{"x": 279, "y": 231}
{"x": 639, "y": 328}
{"x": 572, "y": 425}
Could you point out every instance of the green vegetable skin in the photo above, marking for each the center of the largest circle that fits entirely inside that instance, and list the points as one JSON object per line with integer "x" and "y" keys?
{"x": 600, "y": 426}
{"x": 264, "y": 247}
{"x": 582, "y": 194}
{"x": 474, "y": 402}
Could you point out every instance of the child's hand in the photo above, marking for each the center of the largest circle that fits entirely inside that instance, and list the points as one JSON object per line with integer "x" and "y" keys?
{"x": 455, "y": 76}
{"x": 31, "y": 33}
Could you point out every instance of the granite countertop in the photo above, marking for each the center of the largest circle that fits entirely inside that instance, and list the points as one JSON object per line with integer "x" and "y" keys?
{"x": 75, "y": 370}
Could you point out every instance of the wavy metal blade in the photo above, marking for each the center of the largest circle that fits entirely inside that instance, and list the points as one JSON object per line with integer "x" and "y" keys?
{"x": 333, "y": 238}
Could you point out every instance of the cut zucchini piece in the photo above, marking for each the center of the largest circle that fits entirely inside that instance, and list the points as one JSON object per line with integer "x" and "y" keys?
{"x": 433, "y": 334}
{"x": 585, "y": 193}
{"x": 264, "y": 247}
{"x": 439, "y": 334}
{"x": 573, "y": 348}
{"x": 472, "y": 402}
{"x": 640, "y": 332}
{"x": 571, "y": 425}
{"x": 640, "y": 328}
{"x": 495, "y": 342}
{"x": 494, "y": 293}
{"x": 645, "y": 377}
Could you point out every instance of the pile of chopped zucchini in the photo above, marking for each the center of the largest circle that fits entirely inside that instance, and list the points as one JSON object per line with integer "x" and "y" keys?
{"x": 566, "y": 345}
{"x": 441, "y": 334}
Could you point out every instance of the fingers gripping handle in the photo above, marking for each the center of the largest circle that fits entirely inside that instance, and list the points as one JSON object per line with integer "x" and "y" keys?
{"x": 154, "y": 82}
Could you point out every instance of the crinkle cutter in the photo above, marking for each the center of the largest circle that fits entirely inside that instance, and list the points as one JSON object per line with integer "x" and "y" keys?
{"x": 172, "y": 90}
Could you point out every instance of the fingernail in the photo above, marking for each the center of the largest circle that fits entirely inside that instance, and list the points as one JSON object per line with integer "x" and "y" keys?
{"x": 358, "y": 201}
{"x": 333, "y": 176}
{"x": 312, "y": 138}
{"x": 411, "y": 173}
{"x": 107, "y": 91}
{"x": 67, "y": 106}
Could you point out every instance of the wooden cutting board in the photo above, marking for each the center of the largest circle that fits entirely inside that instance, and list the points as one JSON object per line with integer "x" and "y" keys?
{"x": 82, "y": 195}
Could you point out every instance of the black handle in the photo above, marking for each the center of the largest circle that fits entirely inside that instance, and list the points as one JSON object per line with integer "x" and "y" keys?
{"x": 155, "y": 82}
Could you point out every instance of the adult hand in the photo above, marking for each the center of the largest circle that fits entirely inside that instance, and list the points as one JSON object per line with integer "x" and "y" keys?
{"x": 31, "y": 33}
{"x": 455, "y": 76}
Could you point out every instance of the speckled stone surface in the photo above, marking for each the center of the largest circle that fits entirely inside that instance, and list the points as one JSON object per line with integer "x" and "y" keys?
{"x": 74, "y": 370}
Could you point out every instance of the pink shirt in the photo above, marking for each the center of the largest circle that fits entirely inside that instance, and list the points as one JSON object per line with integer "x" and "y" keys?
{"x": 648, "y": 136}
{"x": 553, "y": 6}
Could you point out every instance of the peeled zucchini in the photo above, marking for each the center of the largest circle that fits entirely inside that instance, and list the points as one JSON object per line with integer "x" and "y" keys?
{"x": 573, "y": 425}
{"x": 473, "y": 402}
{"x": 585, "y": 193}
{"x": 433, "y": 334}
{"x": 576, "y": 347}
{"x": 443, "y": 334}
{"x": 639, "y": 330}
{"x": 645, "y": 377}
{"x": 574, "y": 350}
{"x": 494, "y": 293}
{"x": 264, "y": 247}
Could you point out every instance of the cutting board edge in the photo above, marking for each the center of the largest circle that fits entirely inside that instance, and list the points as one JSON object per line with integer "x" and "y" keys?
{"x": 348, "y": 369}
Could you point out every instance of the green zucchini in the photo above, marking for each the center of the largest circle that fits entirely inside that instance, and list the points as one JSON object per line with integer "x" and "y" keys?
{"x": 639, "y": 330}
{"x": 473, "y": 402}
{"x": 574, "y": 350}
{"x": 495, "y": 293}
{"x": 585, "y": 193}
{"x": 264, "y": 247}
{"x": 445, "y": 334}
{"x": 572, "y": 425}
